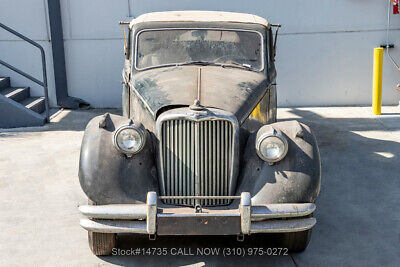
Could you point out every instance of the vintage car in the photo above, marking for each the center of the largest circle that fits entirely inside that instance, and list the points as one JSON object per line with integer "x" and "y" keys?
{"x": 198, "y": 150}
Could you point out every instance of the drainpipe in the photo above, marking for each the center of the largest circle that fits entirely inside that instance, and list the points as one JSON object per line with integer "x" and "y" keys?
{"x": 60, "y": 74}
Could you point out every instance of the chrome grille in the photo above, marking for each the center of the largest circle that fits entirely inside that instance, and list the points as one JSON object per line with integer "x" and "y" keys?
{"x": 197, "y": 159}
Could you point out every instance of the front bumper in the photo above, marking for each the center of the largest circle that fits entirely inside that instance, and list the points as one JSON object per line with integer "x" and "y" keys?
{"x": 168, "y": 220}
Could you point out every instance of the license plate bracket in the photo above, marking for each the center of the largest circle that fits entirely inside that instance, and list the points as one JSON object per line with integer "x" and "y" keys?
{"x": 199, "y": 224}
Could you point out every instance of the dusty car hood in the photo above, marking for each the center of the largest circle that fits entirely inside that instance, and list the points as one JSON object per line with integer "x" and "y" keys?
{"x": 231, "y": 89}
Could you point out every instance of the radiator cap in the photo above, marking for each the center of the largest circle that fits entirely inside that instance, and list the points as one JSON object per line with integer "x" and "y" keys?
{"x": 196, "y": 105}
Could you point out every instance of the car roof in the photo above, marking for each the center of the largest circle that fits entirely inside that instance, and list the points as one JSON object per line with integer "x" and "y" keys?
{"x": 200, "y": 16}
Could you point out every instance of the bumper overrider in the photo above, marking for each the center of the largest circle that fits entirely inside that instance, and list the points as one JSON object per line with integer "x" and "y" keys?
{"x": 155, "y": 220}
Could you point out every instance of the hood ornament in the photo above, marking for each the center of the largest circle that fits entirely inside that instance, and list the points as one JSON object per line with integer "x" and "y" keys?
{"x": 196, "y": 105}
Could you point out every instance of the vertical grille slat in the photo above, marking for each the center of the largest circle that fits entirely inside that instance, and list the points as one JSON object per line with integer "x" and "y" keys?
{"x": 206, "y": 162}
{"x": 218, "y": 160}
{"x": 226, "y": 161}
{"x": 210, "y": 175}
{"x": 197, "y": 159}
{"x": 176, "y": 159}
{"x": 168, "y": 151}
{"x": 201, "y": 147}
{"x": 192, "y": 162}
{"x": 214, "y": 156}
{"x": 223, "y": 156}
{"x": 180, "y": 137}
{"x": 230, "y": 137}
{"x": 184, "y": 159}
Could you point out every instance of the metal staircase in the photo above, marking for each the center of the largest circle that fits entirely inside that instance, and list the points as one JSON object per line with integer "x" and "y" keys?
{"x": 17, "y": 107}
{"x": 21, "y": 101}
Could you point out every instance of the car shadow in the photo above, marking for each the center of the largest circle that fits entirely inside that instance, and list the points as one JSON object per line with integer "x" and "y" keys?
{"x": 138, "y": 250}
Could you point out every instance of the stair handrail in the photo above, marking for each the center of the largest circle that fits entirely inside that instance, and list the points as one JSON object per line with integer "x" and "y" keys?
{"x": 26, "y": 75}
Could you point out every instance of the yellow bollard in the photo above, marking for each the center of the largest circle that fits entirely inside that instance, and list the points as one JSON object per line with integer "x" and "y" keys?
{"x": 377, "y": 82}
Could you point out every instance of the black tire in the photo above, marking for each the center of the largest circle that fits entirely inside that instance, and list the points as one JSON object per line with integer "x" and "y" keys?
{"x": 295, "y": 242}
{"x": 101, "y": 244}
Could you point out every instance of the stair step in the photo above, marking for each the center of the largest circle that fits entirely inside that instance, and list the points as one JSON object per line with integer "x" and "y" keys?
{"x": 35, "y": 104}
{"x": 4, "y": 82}
{"x": 16, "y": 93}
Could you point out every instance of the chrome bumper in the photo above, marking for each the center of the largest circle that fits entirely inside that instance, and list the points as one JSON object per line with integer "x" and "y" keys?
{"x": 150, "y": 219}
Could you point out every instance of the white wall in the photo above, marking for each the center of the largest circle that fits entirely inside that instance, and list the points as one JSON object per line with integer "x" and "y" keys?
{"x": 30, "y": 19}
{"x": 324, "y": 50}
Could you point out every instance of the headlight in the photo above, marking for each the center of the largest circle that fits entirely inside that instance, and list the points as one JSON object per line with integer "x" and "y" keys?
{"x": 271, "y": 147}
{"x": 129, "y": 139}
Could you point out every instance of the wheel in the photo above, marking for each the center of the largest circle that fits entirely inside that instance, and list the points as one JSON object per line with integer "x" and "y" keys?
{"x": 101, "y": 244}
{"x": 295, "y": 242}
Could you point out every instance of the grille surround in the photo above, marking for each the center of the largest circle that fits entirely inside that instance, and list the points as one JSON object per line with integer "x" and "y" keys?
{"x": 197, "y": 159}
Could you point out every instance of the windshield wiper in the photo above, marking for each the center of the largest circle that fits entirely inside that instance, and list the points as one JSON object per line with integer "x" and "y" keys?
{"x": 232, "y": 64}
{"x": 198, "y": 62}
{"x": 235, "y": 64}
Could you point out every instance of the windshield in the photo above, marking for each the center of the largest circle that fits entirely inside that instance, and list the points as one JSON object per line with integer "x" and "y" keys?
{"x": 180, "y": 46}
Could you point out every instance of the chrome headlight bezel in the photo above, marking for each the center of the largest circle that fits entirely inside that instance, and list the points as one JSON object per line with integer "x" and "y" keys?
{"x": 268, "y": 135}
{"x": 132, "y": 127}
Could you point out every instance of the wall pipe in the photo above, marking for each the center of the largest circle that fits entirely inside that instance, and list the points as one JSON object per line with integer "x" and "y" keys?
{"x": 57, "y": 44}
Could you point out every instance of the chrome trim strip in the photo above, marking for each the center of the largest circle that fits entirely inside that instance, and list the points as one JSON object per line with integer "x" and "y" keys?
{"x": 112, "y": 226}
{"x": 115, "y": 211}
{"x": 139, "y": 227}
{"x": 173, "y": 215}
{"x": 136, "y": 34}
{"x": 282, "y": 226}
{"x": 199, "y": 197}
{"x": 274, "y": 211}
{"x": 138, "y": 211}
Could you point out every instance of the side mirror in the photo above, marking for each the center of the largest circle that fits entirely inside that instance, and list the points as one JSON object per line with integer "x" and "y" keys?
{"x": 276, "y": 26}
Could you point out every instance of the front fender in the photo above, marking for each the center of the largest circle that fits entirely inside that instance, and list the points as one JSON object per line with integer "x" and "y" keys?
{"x": 106, "y": 175}
{"x": 295, "y": 179}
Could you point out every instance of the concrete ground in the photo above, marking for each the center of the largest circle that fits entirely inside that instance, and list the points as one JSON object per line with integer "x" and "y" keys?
{"x": 357, "y": 212}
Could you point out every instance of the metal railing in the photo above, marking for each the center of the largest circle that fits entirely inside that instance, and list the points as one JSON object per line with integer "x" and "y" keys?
{"x": 26, "y": 75}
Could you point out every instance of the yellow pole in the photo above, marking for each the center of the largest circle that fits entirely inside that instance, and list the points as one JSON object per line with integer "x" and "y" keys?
{"x": 377, "y": 82}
